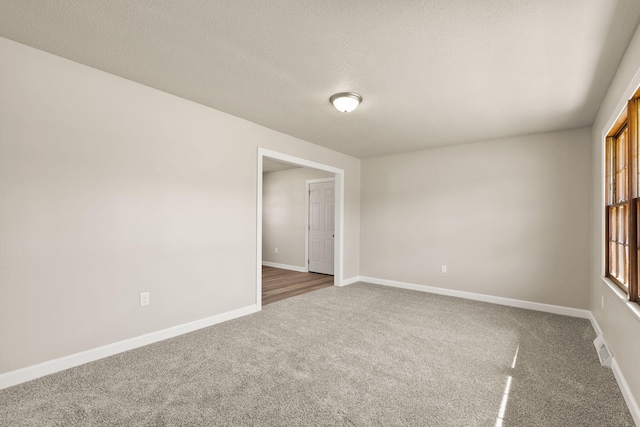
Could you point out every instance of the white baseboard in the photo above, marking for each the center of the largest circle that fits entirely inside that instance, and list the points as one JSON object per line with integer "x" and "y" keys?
{"x": 626, "y": 392}
{"x": 634, "y": 409}
{"x": 350, "y": 281}
{"x": 547, "y": 308}
{"x": 56, "y": 365}
{"x": 285, "y": 266}
{"x": 594, "y": 323}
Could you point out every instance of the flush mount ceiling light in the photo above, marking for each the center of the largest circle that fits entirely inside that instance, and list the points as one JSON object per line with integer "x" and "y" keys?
{"x": 346, "y": 101}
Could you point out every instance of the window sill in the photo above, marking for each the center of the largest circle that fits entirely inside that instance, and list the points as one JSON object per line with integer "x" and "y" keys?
{"x": 633, "y": 307}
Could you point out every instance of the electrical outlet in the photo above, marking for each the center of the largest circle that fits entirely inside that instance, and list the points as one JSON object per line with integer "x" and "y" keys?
{"x": 444, "y": 268}
{"x": 144, "y": 298}
{"x": 276, "y": 250}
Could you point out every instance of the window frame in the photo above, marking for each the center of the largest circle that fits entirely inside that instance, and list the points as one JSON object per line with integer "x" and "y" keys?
{"x": 622, "y": 190}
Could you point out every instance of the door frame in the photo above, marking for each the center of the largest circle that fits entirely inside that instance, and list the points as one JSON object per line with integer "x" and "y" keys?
{"x": 338, "y": 243}
{"x": 306, "y": 233}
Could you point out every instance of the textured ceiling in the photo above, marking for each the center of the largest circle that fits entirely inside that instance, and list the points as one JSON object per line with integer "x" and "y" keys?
{"x": 431, "y": 72}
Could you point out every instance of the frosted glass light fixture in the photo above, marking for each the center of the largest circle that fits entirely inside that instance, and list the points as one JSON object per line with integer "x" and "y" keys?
{"x": 346, "y": 101}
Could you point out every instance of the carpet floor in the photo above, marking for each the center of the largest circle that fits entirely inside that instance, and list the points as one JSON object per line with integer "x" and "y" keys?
{"x": 363, "y": 355}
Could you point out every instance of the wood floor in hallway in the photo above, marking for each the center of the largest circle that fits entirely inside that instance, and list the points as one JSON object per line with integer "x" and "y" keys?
{"x": 279, "y": 284}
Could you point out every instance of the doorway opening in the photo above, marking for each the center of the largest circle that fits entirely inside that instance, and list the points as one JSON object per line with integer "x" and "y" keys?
{"x": 337, "y": 211}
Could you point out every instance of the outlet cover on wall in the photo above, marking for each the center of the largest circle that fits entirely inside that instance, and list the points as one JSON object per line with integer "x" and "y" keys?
{"x": 444, "y": 268}
{"x": 144, "y": 298}
{"x": 276, "y": 250}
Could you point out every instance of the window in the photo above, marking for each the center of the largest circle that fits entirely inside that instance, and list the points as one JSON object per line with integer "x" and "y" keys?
{"x": 622, "y": 200}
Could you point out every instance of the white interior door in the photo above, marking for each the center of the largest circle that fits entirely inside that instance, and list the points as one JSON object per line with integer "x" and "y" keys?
{"x": 321, "y": 226}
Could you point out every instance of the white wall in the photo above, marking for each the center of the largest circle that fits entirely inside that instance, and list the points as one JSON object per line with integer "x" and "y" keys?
{"x": 109, "y": 188}
{"x": 510, "y": 218}
{"x": 284, "y": 215}
{"x": 618, "y": 320}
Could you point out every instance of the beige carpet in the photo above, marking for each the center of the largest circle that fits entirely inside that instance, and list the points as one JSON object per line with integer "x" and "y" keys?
{"x": 363, "y": 355}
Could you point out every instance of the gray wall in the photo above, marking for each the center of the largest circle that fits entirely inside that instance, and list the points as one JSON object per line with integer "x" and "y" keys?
{"x": 284, "y": 214}
{"x": 510, "y": 218}
{"x": 109, "y": 188}
{"x": 619, "y": 320}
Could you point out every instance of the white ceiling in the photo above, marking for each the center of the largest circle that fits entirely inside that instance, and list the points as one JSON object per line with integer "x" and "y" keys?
{"x": 431, "y": 72}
